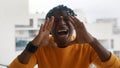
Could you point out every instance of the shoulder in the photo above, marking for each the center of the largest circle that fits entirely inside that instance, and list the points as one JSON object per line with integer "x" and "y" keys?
{"x": 82, "y": 47}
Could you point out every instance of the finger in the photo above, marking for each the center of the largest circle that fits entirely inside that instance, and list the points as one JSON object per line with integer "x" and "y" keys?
{"x": 72, "y": 42}
{"x": 76, "y": 25}
{"x": 72, "y": 21}
{"x": 41, "y": 28}
{"x": 46, "y": 24}
{"x": 82, "y": 26}
{"x": 51, "y": 21}
{"x": 78, "y": 22}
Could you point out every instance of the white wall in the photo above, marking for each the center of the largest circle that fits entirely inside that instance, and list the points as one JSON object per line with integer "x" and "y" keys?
{"x": 100, "y": 30}
{"x": 116, "y": 42}
{"x": 11, "y": 12}
{"x": 104, "y": 31}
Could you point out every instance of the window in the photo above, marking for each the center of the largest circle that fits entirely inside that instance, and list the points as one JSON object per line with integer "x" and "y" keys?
{"x": 117, "y": 53}
{"x": 31, "y": 22}
{"x": 40, "y": 21}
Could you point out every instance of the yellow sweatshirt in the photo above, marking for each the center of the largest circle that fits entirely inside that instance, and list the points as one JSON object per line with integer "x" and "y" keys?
{"x": 74, "y": 56}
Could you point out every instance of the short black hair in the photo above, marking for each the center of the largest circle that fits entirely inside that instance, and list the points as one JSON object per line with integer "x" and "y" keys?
{"x": 59, "y": 8}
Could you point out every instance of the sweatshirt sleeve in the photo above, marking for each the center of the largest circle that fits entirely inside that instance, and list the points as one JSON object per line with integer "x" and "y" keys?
{"x": 17, "y": 64}
{"x": 113, "y": 62}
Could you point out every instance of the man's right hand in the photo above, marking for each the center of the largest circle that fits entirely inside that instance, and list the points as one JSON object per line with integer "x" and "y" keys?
{"x": 43, "y": 37}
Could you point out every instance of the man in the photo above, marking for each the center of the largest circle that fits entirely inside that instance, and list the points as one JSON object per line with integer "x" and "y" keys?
{"x": 62, "y": 49}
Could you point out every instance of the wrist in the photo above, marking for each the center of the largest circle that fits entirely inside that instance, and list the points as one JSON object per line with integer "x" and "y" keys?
{"x": 94, "y": 40}
{"x": 103, "y": 53}
{"x": 31, "y": 47}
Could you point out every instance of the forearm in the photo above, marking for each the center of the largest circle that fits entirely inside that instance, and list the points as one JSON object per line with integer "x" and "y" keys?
{"x": 103, "y": 53}
{"x": 24, "y": 60}
{"x": 25, "y": 56}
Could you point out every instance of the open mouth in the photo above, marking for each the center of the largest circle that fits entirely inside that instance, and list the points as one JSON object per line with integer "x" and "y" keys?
{"x": 62, "y": 32}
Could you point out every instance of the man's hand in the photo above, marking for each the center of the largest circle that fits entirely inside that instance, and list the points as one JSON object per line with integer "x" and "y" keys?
{"x": 82, "y": 36}
{"x": 43, "y": 37}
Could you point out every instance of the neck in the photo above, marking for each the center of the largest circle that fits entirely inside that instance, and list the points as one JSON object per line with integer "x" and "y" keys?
{"x": 61, "y": 43}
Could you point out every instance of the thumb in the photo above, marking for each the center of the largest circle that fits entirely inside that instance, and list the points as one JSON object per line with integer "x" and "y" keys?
{"x": 72, "y": 42}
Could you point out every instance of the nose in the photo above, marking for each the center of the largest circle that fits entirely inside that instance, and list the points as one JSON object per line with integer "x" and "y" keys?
{"x": 61, "y": 22}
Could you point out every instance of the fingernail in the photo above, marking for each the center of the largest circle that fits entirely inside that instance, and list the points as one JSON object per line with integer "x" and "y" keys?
{"x": 52, "y": 16}
{"x": 47, "y": 18}
{"x": 72, "y": 16}
{"x": 61, "y": 16}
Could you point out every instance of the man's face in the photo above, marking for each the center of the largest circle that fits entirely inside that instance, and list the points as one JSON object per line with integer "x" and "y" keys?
{"x": 62, "y": 28}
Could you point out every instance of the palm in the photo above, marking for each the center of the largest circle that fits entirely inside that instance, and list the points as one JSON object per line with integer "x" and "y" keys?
{"x": 82, "y": 36}
{"x": 43, "y": 37}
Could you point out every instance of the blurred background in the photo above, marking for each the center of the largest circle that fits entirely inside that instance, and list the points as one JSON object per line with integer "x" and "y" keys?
{"x": 20, "y": 21}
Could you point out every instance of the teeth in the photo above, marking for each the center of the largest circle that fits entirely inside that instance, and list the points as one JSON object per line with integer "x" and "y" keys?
{"x": 61, "y": 30}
